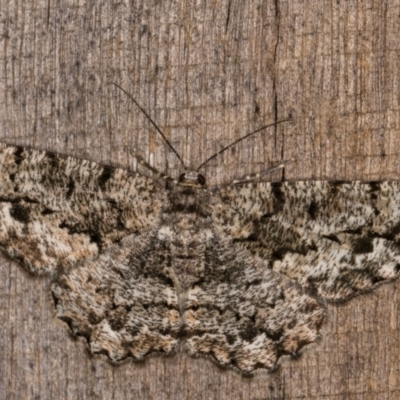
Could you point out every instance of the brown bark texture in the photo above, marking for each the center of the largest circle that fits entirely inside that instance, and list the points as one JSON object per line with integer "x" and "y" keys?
{"x": 207, "y": 72}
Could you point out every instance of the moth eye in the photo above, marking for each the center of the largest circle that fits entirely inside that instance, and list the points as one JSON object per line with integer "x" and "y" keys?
{"x": 182, "y": 177}
{"x": 201, "y": 180}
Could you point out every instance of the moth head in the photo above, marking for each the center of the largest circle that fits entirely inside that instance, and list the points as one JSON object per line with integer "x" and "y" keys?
{"x": 191, "y": 178}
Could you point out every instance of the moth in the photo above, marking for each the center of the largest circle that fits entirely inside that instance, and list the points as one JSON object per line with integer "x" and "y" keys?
{"x": 239, "y": 273}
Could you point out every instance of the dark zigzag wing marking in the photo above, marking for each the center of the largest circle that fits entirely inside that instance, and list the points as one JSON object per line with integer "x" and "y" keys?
{"x": 122, "y": 302}
{"x": 246, "y": 316}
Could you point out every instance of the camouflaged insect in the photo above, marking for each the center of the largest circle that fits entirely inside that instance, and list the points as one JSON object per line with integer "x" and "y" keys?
{"x": 239, "y": 274}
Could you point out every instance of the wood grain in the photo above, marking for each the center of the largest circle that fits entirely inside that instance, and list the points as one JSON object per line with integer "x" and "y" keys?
{"x": 207, "y": 72}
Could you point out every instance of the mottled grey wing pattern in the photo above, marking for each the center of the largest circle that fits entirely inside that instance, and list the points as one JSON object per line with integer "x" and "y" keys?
{"x": 56, "y": 211}
{"x": 123, "y": 302}
{"x": 244, "y": 315}
{"x": 336, "y": 239}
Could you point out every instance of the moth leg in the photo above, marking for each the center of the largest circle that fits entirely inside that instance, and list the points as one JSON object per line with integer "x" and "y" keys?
{"x": 250, "y": 178}
{"x": 158, "y": 174}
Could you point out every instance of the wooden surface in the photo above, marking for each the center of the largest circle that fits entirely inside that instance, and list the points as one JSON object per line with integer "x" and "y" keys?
{"x": 207, "y": 72}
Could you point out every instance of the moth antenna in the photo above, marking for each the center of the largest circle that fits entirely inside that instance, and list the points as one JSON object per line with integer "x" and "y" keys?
{"x": 152, "y": 122}
{"x": 239, "y": 140}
